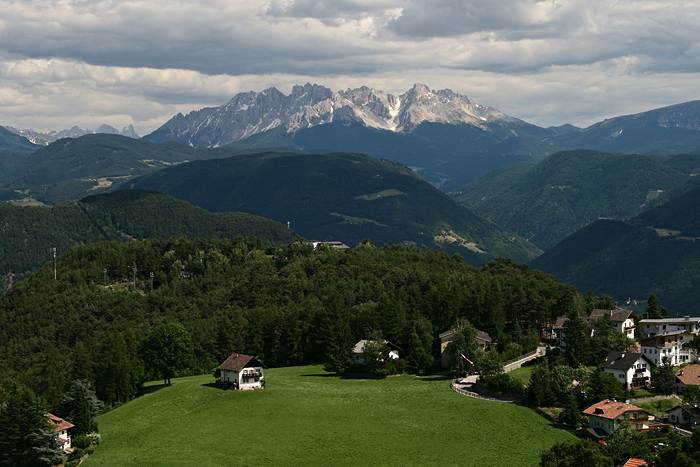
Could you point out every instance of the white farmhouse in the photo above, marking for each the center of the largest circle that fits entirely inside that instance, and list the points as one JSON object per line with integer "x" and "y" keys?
{"x": 242, "y": 372}
{"x": 61, "y": 427}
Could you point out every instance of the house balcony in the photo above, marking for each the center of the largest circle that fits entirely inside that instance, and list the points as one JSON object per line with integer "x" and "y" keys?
{"x": 251, "y": 374}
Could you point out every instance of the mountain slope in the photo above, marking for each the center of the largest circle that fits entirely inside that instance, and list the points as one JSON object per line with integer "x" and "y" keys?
{"x": 13, "y": 142}
{"x": 344, "y": 197}
{"x": 669, "y": 130}
{"x": 568, "y": 190}
{"x": 29, "y": 233}
{"x": 657, "y": 251}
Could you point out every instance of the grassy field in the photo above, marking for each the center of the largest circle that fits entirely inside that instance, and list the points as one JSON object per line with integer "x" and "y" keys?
{"x": 306, "y": 417}
{"x": 523, "y": 373}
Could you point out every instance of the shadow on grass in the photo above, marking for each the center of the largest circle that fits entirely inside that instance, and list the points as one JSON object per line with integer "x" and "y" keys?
{"x": 322, "y": 375}
{"x": 213, "y": 385}
{"x": 150, "y": 389}
{"x": 437, "y": 378}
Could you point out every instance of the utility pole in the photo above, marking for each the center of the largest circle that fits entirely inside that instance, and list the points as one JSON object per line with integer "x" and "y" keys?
{"x": 134, "y": 269}
{"x": 104, "y": 271}
{"x": 54, "y": 263}
{"x": 151, "y": 282}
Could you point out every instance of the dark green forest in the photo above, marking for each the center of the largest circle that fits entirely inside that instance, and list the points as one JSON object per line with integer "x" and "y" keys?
{"x": 341, "y": 196}
{"x": 286, "y": 305}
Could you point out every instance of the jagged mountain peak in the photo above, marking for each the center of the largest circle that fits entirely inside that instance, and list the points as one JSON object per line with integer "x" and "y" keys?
{"x": 309, "y": 105}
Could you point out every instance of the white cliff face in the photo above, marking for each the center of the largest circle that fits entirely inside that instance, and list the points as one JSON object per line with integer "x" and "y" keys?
{"x": 310, "y": 105}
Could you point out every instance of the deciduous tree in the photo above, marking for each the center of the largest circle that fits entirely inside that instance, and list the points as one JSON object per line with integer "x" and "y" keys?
{"x": 168, "y": 350}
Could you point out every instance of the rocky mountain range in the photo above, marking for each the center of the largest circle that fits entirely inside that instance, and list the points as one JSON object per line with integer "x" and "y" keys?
{"x": 44, "y": 139}
{"x": 310, "y": 105}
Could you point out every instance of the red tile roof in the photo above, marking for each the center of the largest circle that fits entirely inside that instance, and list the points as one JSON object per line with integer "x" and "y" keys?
{"x": 689, "y": 374}
{"x": 59, "y": 423}
{"x": 611, "y": 409}
{"x": 635, "y": 463}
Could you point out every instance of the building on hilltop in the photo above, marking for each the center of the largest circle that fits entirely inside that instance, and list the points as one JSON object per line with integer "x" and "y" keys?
{"x": 605, "y": 416}
{"x": 61, "y": 427}
{"x": 316, "y": 244}
{"x": 631, "y": 369}
{"x": 241, "y": 372}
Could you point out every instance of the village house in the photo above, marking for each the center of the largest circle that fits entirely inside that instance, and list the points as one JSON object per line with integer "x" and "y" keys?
{"x": 483, "y": 340}
{"x": 687, "y": 376}
{"x": 605, "y": 416}
{"x": 61, "y": 427}
{"x": 624, "y": 320}
{"x": 656, "y": 327}
{"x": 664, "y": 338}
{"x": 241, "y": 372}
{"x": 631, "y": 369}
{"x": 685, "y": 416}
{"x": 358, "y": 355}
{"x": 670, "y": 346}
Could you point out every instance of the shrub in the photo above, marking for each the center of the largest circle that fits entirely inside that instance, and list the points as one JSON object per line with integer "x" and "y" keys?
{"x": 504, "y": 384}
{"x": 95, "y": 438}
{"x": 81, "y": 441}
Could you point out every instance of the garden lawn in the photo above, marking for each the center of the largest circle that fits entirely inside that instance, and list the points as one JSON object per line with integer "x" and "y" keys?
{"x": 306, "y": 417}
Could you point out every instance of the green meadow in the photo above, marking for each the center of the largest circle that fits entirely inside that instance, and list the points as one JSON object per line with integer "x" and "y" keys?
{"x": 307, "y": 417}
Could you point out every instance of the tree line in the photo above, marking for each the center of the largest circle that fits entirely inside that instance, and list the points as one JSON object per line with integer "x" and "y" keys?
{"x": 286, "y": 305}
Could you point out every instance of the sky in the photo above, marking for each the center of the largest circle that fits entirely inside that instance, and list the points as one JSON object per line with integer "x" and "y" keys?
{"x": 121, "y": 62}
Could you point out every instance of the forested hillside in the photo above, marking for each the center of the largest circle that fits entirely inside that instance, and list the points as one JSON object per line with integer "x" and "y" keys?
{"x": 344, "y": 197}
{"x": 288, "y": 305}
{"x": 658, "y": 251}
{"x": 568, "y": 190}
{"x": 29, "y": 233}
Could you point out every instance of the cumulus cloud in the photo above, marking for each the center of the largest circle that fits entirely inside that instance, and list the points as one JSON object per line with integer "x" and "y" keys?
{"x": 141, "y": 61}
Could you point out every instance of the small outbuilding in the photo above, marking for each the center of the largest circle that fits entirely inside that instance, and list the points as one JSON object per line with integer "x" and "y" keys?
{"x": 685, "y": 416}
{"x": 241, "y": 372}
{"x": 358, "y": 355}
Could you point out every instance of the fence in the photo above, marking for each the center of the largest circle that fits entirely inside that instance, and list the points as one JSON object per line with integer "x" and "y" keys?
{"x": 522, "y": 357}
{"x": 476, "y": 394}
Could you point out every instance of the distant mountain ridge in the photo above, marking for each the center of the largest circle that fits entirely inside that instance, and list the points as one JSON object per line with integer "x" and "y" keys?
{"x": 44, "y": 139}
{"x": 444, "y": 136}
{"x": 251, "y": 113}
